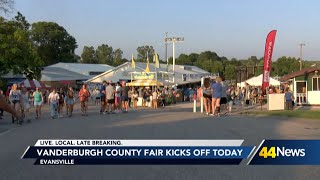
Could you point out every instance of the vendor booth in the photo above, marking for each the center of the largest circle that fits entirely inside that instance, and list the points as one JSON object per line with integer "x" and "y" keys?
{"x": 144, "y": 83}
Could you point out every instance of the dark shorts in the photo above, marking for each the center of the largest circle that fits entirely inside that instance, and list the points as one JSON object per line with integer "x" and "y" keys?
{"x": 223, "y": 100}
{"x": 111, "y": 101}
{"x": 15, "y": 101}
{"x": 103, "y": 99}
{"x": 124, "y": 98}
{"x": 207, "y": 96}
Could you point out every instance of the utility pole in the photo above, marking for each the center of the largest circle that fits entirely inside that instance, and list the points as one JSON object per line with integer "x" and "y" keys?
{"x": 301, "y": 44}
{"x": 166, "y": 45}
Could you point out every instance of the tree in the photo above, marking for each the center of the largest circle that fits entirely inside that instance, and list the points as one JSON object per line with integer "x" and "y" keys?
{"x": 6, "y": 6}
{"x": 89, "y": 55}
{"x": 183, "y": 59}
{"x": 230, "y": 72}
{"x": 117, "y": 57}
{"x": 18, "y": 53}
{"x": 104, "y": 54}
{"x": 193, "y": 57}
{"x": 217, "y": 67}
{"x": 54, "y": 43}
{"x": 285, "y": 65}
{"x": 143, "y": 51}
{"x": 22, "y": 23}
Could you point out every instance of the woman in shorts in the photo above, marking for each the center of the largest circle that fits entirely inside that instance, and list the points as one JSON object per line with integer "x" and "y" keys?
{"x": 216, "y": 90}
{"x": 84, "y": 95}
{"x": 207, "y": 99}
{"x": 25, "y": 106}
{"x": 15, "y": 98}
{"x": 37, "y": 100}
{"x": 69, "y": 101}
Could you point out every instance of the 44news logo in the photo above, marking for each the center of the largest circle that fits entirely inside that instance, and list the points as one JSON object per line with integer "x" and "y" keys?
{"x": 273, "y": 152}
{"x": 287, "y": 152}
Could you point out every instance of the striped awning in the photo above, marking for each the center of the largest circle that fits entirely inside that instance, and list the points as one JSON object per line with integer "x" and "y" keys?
{"x": 146, "y": 82}
{"x": 33, "y": 84}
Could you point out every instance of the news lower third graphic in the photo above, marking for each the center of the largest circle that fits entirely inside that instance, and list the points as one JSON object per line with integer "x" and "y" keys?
{"x": 215, "y": 152}
{"x": 87, "y": 152}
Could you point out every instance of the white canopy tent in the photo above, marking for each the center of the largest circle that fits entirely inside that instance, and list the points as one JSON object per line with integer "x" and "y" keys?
{"x": 257, "y": 81}
{"x": 242, "y": 84}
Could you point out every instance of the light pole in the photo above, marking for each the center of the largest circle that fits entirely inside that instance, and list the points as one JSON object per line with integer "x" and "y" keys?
{"x": 301, "y": 44}
{"x": 166, "y": 44}
{"x": 174, "y": 40}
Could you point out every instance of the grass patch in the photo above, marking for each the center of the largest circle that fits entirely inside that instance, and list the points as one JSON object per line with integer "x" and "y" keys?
{"x": 308, "y": 114}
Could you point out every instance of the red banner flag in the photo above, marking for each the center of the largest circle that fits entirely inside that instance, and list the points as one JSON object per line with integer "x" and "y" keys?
{"x": 268, "y": 58}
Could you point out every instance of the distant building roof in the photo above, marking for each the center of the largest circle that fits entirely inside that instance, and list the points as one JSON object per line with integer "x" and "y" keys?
{"x": 300, "y": 73}
{"x": 90, "y": 70}
{"x": 59, "y": 74}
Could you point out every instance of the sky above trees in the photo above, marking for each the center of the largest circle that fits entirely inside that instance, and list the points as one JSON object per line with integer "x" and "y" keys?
{"x": 230, "y": 28}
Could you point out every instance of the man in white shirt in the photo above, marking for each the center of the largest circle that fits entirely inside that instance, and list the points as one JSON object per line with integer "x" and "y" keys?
{"x": 53, "y": 102}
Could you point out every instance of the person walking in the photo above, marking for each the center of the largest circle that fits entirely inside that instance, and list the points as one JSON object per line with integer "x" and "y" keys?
{"x": 223, "y": 100}
{"x": 155, "y": 99}
{"x": 103, "y": 97}
{"x": 15, "y": 99}
{"x": 61, "y": 102}
{"x": 25, "y": 106}
{"x": 130, "y": 93}
{"x": 124, "y": 97}
{"x": 134, "y": 97}
{"x": 216, "y": 89}
{"x": 289, "y": 99}
{"x": 84, "y": 95}
{"x": 37, "y": 100}
{"x": 207, "y": 96}
{"x": 110, "y": 95}
{"x": 53, "y": 99}
{"x": 69, "y": 100}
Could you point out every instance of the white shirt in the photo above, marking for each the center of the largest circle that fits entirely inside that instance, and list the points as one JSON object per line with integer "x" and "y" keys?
{"x": 118, "y": 91}
{"x": 53, "y": 97}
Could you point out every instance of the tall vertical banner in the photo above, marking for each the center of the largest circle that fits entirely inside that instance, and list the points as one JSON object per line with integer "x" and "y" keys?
{"x": 268, "y": 58}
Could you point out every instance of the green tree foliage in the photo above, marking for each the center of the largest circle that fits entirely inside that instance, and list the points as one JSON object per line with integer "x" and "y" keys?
{"x": 184, "y": 59}
{"x": 89, "y": 55}
{"x": 230, "y": 72}
{"x": 53, "y": 42}
{"x": 104, "y": 54}
{"x": 117, "y": 57}
{"x": 285, "y": 65}
{"x": 142, "y": 53}
{"x": 18, "y": 53}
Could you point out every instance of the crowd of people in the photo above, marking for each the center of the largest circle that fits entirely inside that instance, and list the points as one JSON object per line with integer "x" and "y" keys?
{"x": 219, "y": 98}
{"x": 111, "y": 97}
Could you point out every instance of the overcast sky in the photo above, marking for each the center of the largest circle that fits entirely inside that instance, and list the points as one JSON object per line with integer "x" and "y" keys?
{"x": 231, "y": 28}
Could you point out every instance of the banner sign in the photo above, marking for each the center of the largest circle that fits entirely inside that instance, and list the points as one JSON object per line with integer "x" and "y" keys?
{"x": 143, "y": 76}
{"x": 268, "y": 58}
